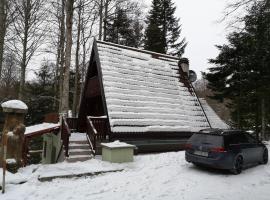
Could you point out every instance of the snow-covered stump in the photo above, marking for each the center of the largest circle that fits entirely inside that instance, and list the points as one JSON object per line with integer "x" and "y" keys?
{"x": 13, "y": 130}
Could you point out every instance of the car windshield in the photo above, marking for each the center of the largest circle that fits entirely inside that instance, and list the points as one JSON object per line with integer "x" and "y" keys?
{"x": 213, "y": 140}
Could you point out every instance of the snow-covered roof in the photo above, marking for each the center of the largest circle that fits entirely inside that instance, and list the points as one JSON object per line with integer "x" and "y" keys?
{"x": 14, "y": 104}
{"x": 214, "y": 119}
{"x": 40, "y": 127}
{"x": 144, "y": 94}
{"x": 117, "y": 144}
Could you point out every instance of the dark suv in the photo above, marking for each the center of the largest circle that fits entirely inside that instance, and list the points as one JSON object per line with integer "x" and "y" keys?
{"x": 225, "y": 149}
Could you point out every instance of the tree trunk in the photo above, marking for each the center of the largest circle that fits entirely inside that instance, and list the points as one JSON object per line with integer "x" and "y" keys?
{"x": 75, "y": 94}
{"x": 263, "y": 119}
{"x": 105, "y": 20}
{"x": 100, "y": 19}
{"x": 84, "y": 53}
{"x": 62, "y": 54}
{"x": 3, "y": 17}
{"x": 69, "y": 18}
{"x": 56, "y": 81}
{"x": 24, "y": 53}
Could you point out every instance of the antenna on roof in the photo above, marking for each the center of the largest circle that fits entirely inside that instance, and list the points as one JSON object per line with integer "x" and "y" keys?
{"x": 192, "y": 76}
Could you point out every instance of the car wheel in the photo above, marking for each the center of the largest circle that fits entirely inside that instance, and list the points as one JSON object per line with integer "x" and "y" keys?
{"x": 238, "y": 165}
{"x": 196, "y": 164}
{"x": 265, "y": 157}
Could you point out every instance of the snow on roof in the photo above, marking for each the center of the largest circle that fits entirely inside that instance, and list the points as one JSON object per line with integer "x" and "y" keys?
{"x": 39, "y": 127}
{"x": 214, "y": 119}
{"x": 144, "y": 93}
{"x": 14, "y": 104}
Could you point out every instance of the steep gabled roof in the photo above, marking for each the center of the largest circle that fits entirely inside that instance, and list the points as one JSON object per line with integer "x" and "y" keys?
{"x": 143, "y": 92}
{"x": 214, "y": 119}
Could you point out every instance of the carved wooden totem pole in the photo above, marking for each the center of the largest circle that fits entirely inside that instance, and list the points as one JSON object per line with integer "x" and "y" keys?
{"x": 13, "y": 132}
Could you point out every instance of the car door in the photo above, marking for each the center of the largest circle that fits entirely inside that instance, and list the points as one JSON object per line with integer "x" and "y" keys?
{"x": 256, "y": 149}
{"x": 238, "y": 145}
{"x": 245, "y": 147}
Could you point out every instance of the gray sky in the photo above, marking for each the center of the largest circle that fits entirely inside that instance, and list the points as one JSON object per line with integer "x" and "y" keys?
{"x": 201, "y": 29}
{"x": 200, "y": 26}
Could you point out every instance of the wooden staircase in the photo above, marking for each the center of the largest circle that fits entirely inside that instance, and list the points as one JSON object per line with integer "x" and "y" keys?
{"x": 79, "y": 149}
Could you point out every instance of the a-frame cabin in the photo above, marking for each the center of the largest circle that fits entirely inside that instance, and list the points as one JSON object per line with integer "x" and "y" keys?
{"x": 141, "y": 97}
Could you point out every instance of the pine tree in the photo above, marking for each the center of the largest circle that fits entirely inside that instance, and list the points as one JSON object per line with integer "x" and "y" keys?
{"x": 163, "y": 30}
{"x": 241, "y": 71}
{"x": 123, "y": 29}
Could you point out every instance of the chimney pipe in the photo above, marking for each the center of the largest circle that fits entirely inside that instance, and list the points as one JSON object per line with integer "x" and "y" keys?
{"x": 184, "y": 64}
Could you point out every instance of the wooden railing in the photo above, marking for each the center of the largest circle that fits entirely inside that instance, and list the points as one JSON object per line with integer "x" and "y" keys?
{"x": 65, "y": 134}
{"x": 72, "y": 123}
{"x": 29, "y": 136}
{"x": 96, "y": 130}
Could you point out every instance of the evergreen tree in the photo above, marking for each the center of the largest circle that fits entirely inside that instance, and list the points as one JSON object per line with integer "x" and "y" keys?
{"x": 40, "y": 94}
{"x": 163, "y": 30}
{"x": 242, "y": 72}
{"x": 124, "y": 29}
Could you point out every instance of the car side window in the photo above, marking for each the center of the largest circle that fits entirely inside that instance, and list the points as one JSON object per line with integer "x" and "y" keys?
{"x": 251, "y": 139}
{"x": 242, "y": 138}
{"x": 237, "y": 139}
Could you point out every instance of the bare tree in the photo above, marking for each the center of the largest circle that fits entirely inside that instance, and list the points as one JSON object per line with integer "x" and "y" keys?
{"x": 234, "y": 12}
{"x": 69, "y": 21}
{"x": 75, "y": 94}
{"x": 3, "y": 17}
{"x": 9, "y": 76}
{"x": 26, "y": 31}
{"x": 100, "y": 19}
{"x": 88, "y": 21}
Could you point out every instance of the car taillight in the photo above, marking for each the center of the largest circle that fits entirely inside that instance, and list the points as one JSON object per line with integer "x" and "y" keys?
{"x": 218, "y": 149}
{"x": 188, "y": 146}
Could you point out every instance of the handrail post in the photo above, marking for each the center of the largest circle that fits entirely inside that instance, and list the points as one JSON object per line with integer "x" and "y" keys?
{"x": 5, "y": 138}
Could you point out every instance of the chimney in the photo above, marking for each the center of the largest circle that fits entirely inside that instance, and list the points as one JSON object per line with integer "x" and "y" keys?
{"x": 184, "y": 64}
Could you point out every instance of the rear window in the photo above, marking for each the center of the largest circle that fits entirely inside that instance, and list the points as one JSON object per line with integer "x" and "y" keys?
{"x": 200, "y": 139}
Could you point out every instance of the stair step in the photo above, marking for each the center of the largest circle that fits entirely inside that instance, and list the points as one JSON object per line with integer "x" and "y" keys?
{"x": 79, "y": 142}
{"x": 79, "y": 147}
{"x": 78, "y": 159}
{"x": 75, "y": 153}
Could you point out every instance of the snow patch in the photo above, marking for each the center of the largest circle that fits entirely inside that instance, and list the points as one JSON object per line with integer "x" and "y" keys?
{"x": 40, "y": 127}
{"x": 117, "y": 144}
{"x": 165, "y": 176}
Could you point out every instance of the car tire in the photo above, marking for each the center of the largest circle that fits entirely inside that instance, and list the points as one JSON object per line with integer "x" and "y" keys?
{"x": 265, "y": 157}
{"x": 196, "y": 164}
{"x": 238, "y": 165}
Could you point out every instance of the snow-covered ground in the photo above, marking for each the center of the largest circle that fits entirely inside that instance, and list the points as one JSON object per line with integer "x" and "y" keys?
{"x": 165, "y": 176}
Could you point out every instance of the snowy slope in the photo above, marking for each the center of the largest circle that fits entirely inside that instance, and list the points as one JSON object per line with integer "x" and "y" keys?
{"x": 144, "y": 93}
{"x": 214, "y": 119}
{"x": 164, "y": 176}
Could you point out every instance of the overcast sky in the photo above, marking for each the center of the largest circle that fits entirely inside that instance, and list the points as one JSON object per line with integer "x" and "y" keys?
{"x": 201, "y": 28}
{"x": 199, "y": 19}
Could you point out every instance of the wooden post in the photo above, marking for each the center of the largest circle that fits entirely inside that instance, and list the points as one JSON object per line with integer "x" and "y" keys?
{"x": 4, "y": 162}
{"x": 15, "y": 111}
